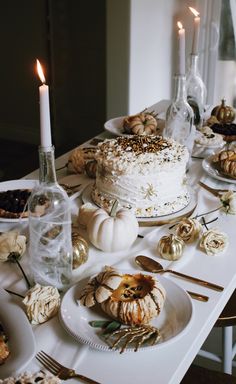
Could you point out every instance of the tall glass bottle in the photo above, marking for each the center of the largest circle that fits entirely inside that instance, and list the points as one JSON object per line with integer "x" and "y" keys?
{"x": 50, "y": 244}
{"x": 179, "y": 116}
{"x": 196, "y": 91}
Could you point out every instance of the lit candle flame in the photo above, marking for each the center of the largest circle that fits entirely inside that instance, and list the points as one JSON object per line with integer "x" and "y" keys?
{"x": 180, "y": 25}
{"x": 40, "y": 72}
{"x": 196, "y": 13}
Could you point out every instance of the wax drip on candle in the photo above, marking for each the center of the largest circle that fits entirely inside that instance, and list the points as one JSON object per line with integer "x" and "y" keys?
{"x": 196, "y": 31}
{"x": 45, "y": 124}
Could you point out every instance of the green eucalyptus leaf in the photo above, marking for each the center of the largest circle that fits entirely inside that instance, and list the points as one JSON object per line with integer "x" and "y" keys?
{"x": 99, "y": 323}
{"x": 113, "y": 326}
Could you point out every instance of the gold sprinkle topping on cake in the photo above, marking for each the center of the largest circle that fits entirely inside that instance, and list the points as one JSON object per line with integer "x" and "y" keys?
{"x": 142, "y": 144}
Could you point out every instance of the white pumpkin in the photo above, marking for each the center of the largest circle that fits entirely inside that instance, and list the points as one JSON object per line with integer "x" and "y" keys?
{"x": 114, "y": 232}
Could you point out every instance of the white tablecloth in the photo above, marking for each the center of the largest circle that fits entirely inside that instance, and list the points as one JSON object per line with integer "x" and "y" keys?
{"x": 168, "y": 363}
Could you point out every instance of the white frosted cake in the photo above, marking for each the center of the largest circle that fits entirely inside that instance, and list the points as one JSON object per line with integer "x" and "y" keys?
{"x": 144, "y": 173}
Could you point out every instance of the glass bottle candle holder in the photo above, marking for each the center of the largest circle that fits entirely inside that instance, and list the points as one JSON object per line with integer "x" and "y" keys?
{"x": 50, "y": 244}
{"x": 196, "y": 91}
{"x": 179, "y": 117}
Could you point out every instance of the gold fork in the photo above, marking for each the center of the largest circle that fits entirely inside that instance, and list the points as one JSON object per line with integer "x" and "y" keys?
{"x": 59, "y": 370}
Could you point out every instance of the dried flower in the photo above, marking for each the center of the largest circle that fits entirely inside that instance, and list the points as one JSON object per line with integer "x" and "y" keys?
{"x": 11, "y": 243}
{"x": 188, "y": 229}
{"x": 228, "y": 200}
{"x": 41, "y": 303}
{"x": 213, "y": 241}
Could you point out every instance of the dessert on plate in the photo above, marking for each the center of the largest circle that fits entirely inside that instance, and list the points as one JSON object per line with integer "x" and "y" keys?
{"x": 31, "y": 378}
{"x": 146, "y": 174}
{"x": 132, "y": 299}
{"x": 4, "y": 350}
{"x": 13, "y": 203}
{"x": 226, "y": 162}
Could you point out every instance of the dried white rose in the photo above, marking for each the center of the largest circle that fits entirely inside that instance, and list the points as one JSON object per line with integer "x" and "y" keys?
{"x": 188, "y": 229}
{"x": 228, "y": 200}
{"x": 41, "y": 303}
{"x": 214, "y": 241}
{"x": 11, "y": 242}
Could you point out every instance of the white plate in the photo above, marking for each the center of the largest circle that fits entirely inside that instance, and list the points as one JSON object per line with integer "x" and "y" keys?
{"x": 115, "y": 125}
{"x": 173, "y": 321}
{"x": 212, "y": 171}
{"x": 16, "y": 184}
{"x": 152, "y": 221}
{"x": 21, "y": 338}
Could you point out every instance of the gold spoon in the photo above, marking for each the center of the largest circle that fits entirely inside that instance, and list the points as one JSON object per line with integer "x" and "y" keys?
{"x": 194, "y": 295}
{"x": 151, "y": 265}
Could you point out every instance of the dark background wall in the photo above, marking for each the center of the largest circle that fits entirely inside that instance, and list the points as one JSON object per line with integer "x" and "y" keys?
{"x": 69, "y": 38}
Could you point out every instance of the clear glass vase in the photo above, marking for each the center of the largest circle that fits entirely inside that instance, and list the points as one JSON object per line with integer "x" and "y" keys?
{"x": 50, "y": 244}
{"x": 179, "y": 116}
{"x": 196, "y": 91}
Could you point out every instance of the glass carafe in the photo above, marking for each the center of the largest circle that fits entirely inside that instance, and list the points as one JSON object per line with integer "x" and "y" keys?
{"x": 50, "y": 244}
{"x": 196, "y": 91}
{"x": 179, "y": 116}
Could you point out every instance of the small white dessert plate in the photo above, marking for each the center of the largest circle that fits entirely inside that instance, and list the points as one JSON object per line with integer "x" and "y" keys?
{"x": 153, "y": 221}
{"x": 21, "y": 338}
{"x": 212, "y": 171}
{"x": 173, "y": 322}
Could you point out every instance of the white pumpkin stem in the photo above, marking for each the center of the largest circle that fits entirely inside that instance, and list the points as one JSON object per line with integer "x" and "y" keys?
{"x": 114, "y": 208}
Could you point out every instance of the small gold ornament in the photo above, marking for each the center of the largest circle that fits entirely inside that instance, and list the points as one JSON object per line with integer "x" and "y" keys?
{"x": 170, "y": 247}
{"x": 80, "y": 249}
{"x": 224, "y": 113}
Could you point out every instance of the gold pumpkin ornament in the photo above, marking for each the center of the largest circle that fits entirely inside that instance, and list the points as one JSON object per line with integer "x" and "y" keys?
{"x": 80, "y": 250}
{"x": 130, "y": 299}
{"x": 224, "y": 113}
{"x": 170, "y": 247}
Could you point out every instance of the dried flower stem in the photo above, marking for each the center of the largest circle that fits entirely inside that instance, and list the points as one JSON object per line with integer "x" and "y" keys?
{"x": 14, "y": 293}
{"x": 13, "y": 257}
{"x": 204, "y": 223}
{"x": 23, "y": 273}
{"x": 207, "y": 213}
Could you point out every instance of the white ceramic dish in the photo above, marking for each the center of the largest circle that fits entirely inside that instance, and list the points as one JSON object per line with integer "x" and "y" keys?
{"x": 16, "y": 184}
{"x": 115, "y": 126}
{"x": 212, "y": 171}
{"x": 152, "y": 221}
{"x": 21, "y": 338}
{"x": 173, "y": 322}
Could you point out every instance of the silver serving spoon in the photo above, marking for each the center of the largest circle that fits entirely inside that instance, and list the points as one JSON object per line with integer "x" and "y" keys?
{"x": 151, "y": 265}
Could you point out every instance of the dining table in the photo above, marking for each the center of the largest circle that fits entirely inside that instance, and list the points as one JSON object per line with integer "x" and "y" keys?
{"x": 168, "y": 361}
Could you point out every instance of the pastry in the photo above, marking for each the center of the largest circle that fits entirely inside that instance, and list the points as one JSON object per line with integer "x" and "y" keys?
{"x": 79, "y": 158}
{"x": 31, "y": 378}
{"x": 144, "y": 123}
{"x": 226, "y": 161}
{"x": 4, "y": 350}
{"x": 132, "y": 299}
{"x": 13, "y": 203}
